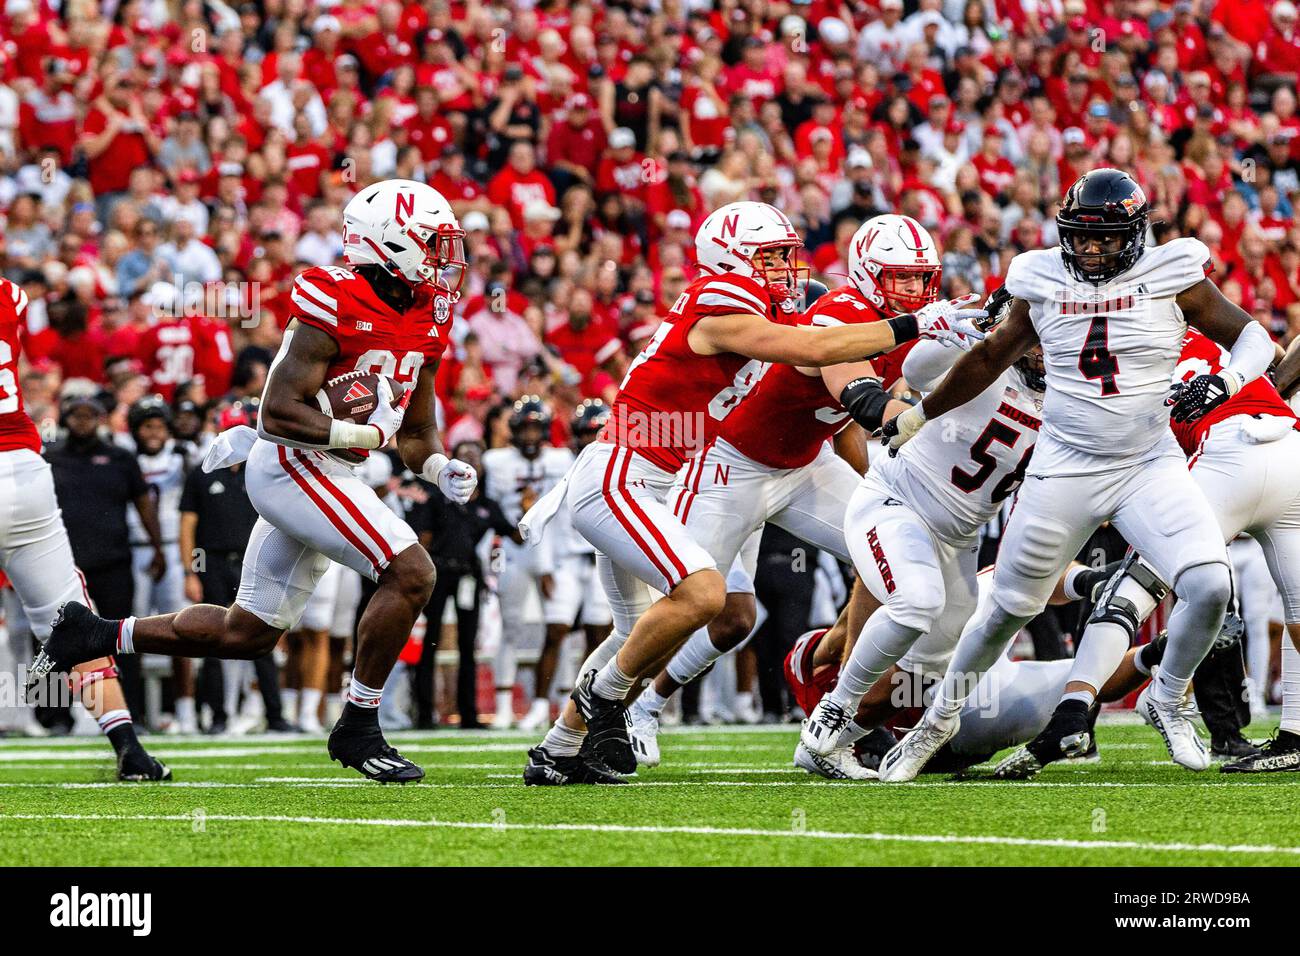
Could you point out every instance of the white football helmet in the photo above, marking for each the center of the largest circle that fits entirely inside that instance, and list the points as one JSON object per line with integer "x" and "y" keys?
{"x": 733, "y": 235}
{"x": 408, "y": 229}
{"x": 887, "y": 249}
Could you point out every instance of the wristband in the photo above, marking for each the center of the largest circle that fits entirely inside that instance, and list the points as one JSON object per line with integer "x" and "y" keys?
{"x": 352, "y": 435}
{"x": 433, "y": 466}
{"x": 905, "y": 328}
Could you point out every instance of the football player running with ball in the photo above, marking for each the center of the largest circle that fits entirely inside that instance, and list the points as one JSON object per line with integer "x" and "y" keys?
{"x": 386, "y": 313}
{"x": 1110, "y": 315}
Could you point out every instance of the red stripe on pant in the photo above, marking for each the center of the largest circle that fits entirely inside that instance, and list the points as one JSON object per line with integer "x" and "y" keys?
{"x": 650, "y": 525}
{"x": 349, "y": 505}
{"x": 622, "y": 519}
{"x": 324, "y": 508}
{"x": 690, "y": 499}
{"x": 686, "y": 485}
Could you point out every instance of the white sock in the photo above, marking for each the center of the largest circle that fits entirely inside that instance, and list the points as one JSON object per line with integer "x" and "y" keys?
{"x": 653, "y": 701}
{"x": 851, "y": 734}
{"x": 185, "y": 712}
{"x": 1082, "y": 695}
{"x": 232, "y": 672}
{"x": 309, "y": 704}
{"x": 1071, "y": 588}
{"x": 289, "y": 703}
{"x": 611, "y": 683}
{"x": 1290, "y": 686}
{"x": 1101, "y": 651}
{"x": 112, "y": 719}
{"x": 1169, "y": 688}
{"x": 560, "y": 741}
{"x": 363, "y": 696}
{"x": 506, "y": 701}
{"x": 694, "y": 658}
{"x": 126, "y": 636}
{"x": 882, "y": 643}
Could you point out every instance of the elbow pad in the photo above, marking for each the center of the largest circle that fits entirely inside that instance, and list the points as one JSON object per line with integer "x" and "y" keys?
{"x": 865, "y": 400}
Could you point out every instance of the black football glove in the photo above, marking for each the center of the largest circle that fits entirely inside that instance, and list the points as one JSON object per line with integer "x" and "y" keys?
{"x": 1194, "y": 399}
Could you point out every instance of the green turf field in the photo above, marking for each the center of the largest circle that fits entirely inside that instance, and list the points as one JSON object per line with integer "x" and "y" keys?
{"x": 723, "y": 796}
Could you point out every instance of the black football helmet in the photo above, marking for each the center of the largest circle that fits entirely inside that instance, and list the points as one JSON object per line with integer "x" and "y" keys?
{"x": 1030, "y": 366}
{"x": 149, "y": 407}
{"x": 1102, "y": 204}
{"x": 529, "y": 410}
{"x": 589, "y": 420}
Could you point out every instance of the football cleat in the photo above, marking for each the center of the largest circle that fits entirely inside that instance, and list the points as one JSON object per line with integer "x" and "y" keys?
{"x": 1174, "y": 725}
{"x": 908, "y": 759}
{"x": 1235, "y": 747}
{"x": 1280, "y": 754}
{"x": 134, "y": 765}
{"x": 1067, "y": 736}
{"x": 644, "y": 734}
{"x": 607, "y": 726}
{"x": 364, "y": 749}
{"x": 821, "y": 731}
{"x": 839, "y": 764}
{"x": 545, "y": 770}
{"x": 77, "y": 636}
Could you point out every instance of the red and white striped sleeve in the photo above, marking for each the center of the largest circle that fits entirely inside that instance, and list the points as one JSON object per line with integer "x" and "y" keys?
{"x": 315, "y": 299}
{"x": 732, "y": 295}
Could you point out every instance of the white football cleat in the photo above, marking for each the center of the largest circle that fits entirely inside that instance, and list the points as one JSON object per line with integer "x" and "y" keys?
{"x": 311, "y": 725}
{"x": 839, "y": 764}
{"x": 643, "y": 731}
{"x": 538, "y": 716}
{"x": 914, "y": 751}
{"x": 1174, "y": 724}
{"x": 821, "y": 731}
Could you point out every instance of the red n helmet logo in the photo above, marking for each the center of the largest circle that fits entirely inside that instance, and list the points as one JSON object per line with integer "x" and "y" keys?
{"x": 405, "y": 207}
{"x": 729, "y": 224}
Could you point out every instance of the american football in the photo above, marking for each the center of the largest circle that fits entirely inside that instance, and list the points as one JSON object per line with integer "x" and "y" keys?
{"x": 353, "y": 396}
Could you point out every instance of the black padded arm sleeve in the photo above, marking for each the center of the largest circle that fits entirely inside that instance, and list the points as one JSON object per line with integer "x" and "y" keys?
{"x": 865, "y": 400}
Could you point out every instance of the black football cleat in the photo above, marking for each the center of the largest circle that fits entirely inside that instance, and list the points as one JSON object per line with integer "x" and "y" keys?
{"x": 1280, "y": 754}
{"x": 135, "y": 765}
{"x": 545, "y": 770}
{"x": 1233, "y": 748}
{"x": 1067, "y": 735}
{"x": 77, "y": 636}
{"x": 871, "y": 749}
{"x": 607, "y": 726}
{"x": 363, "y": 748}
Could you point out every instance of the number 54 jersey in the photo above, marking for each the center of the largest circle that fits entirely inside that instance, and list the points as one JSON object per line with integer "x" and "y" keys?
{"x": 1110, "y": 351}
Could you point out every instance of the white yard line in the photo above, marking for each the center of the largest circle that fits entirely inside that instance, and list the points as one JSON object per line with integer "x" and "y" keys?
{"x": 935, "y": 838}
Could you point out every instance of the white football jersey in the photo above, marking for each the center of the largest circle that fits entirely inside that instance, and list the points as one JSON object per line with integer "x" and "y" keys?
{"x": 508, "y": 473}
{"x": 164, "y": 473}
{"x": 962, "y": 466}
{"x": 1110, "y": 351}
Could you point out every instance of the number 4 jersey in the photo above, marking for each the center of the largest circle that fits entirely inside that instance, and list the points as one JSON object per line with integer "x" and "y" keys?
{"x": 1110, "y": 351}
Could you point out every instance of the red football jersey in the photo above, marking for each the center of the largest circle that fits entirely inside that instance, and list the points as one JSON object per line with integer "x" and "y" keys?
{"x": 176, "y": 349}
{"x": 789, "y": 415}
{"x": 16, "y": 429}
{"x": 371, "y": 336}
{"x": 1203, "y": 356}
{"x": 672, "y": 399}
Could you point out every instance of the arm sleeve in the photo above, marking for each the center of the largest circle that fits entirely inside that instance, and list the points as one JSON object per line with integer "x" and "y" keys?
{"x": 927, "y": 363}
{"x": 1252, "y": 353}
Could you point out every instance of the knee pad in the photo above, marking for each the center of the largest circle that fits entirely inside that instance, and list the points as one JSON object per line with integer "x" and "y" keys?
{"x": 1122, "y": 609}
{"x": 1039, "y": 553}
{"x": 1206, "y": 585}
{"x": 916, "y": 606}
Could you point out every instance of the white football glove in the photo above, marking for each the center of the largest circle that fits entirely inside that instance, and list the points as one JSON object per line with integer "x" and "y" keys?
{"x": 900, "y": 429}
{"x": 951, "y": 323}
{"x": 386, "y": 417}
{"x": 454, "y": 478}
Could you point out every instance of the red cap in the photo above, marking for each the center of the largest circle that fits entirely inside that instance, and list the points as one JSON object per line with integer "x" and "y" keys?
{"x": 578, "y": 101}
{"x": 956, "y": 127}
{"x": 1077, "y": 23}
